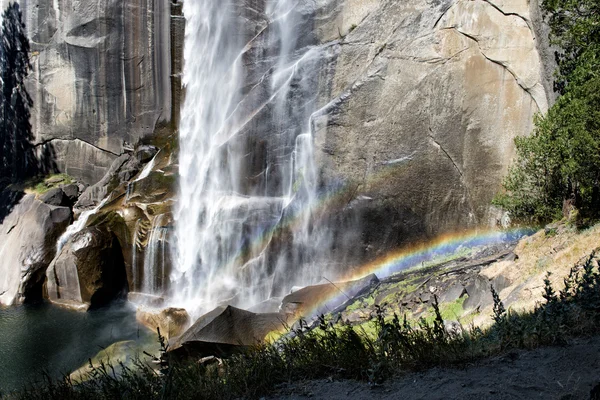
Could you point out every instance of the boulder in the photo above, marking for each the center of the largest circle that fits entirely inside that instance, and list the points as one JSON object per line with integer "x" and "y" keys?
{"x": 119, "y": 355}
{"x": 225, "y": 330}
{"x": 323, "y": 298}
{"x": 28, "y": 236}
{"x": 452, "y": 293}
{"x": 56, "y": 197}
{"x": 479, "y": 294}
{"x": 172, "y": 322}
{"x": 89, "y": 270}
{"x": 72, "y": 192}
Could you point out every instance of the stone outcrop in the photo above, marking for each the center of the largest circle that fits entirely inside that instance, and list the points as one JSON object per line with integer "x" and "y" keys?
{"x": 89, "y": 270}
{"x": 172, "y": 322}
{"x": 225, "y": 330}
{"x": 320, "y": 299}
{"x": 28, "y": 236}
{"x": 102, "y": 78}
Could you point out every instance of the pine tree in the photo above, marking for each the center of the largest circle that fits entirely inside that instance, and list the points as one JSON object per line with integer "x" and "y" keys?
{"x": 557, "y": 169}
{"x": 15, "y": 102}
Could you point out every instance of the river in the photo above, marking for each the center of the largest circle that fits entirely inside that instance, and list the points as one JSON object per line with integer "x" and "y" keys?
{"x": 38, "y": 338}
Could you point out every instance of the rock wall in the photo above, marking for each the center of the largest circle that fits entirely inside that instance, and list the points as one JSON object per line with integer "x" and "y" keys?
{"x": 414, "y": 106}
{"x": 418, "y": 103}
{"x": 101, "y": 79}
{"x": 427, "y": 99}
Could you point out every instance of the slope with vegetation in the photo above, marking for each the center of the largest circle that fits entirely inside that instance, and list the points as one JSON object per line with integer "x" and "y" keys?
{"x": 557, "y": 169}
{"x": 339, "y": 350}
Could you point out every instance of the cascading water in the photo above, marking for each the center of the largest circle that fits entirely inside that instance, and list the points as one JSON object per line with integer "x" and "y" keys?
{"x": 227, "y": 216}
{"x": 154, "y": 258}
{"x": 77, "y": 226}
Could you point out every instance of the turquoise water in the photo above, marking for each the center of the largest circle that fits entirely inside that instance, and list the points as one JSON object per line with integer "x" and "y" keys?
{"x": 45, "y": 338}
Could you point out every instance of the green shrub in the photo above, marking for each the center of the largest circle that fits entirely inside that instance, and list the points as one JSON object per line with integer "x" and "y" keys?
{"x": 560, "y": 161}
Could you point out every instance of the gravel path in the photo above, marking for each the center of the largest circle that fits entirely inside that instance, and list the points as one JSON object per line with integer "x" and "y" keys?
{"x": 565, "y": 373}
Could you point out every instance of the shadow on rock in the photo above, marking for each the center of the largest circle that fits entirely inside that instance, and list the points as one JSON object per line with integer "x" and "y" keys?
{"x": 8, "y": 199}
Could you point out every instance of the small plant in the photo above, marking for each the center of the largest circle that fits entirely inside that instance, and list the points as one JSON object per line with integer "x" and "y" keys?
{"x": 549, "y": 293}
{"x": 499, "y": 309}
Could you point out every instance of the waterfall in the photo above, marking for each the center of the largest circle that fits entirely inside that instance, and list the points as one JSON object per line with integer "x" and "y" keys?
{"x": 154, "y": 258}
{"x": 77, "y": 226}
{"x": 226, "y": 216}
{"x": 143, "y": 175}
{"x": 135, "y": 246}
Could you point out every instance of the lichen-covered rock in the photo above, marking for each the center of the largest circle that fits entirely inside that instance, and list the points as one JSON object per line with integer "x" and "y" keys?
{"x": 89, "y": 270}
{"x": 28, "y": 236}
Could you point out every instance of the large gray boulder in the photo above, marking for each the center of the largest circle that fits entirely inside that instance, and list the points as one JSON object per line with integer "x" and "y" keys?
{"x": 28, "y": 237}
{"x": 89, "y": 271}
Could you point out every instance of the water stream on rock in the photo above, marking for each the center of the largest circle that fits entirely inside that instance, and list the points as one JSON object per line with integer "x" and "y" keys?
{"x": 154, "y": 257}
{"x": 77, "y": 226}
{"x": 228, "y": 210}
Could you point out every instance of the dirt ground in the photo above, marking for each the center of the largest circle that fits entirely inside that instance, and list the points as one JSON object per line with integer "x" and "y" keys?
{"x": 566, "y": 373}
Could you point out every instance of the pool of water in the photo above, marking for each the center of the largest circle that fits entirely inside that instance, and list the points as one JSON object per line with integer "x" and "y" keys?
{"x": 44, "y": 338}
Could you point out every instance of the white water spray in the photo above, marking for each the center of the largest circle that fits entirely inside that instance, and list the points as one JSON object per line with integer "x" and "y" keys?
{"x": 77, "y": 226}
{"x": 226, "y": 217}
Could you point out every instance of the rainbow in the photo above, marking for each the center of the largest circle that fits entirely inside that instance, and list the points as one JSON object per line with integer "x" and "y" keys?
{"x": 332, "y": 199}
{"x": 444, "y": 245}
{"x": 395, "y": 261}
{"x": 406, "y": 258}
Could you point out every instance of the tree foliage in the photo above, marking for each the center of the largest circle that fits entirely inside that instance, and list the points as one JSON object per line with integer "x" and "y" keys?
{"x": 15, "y": 129}
{"x": 560, "y": 161}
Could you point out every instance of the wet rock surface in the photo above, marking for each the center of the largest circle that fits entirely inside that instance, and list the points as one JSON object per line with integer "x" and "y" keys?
{"x": 89, "y": 270}
{"x": 172, "y": 322}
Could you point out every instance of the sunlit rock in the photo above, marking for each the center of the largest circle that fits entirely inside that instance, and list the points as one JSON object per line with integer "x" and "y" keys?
{"x": 28, "y": 235}
{"x": 172, "y": 322}
{"x": 324, "y": 298}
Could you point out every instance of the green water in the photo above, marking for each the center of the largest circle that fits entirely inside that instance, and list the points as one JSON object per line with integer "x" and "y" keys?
{"x": 39, "y": 338}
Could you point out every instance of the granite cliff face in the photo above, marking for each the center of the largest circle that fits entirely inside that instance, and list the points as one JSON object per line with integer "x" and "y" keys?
{"x": 413, "y": 107}
{"x": 426, "y": 99}
{"x": 102, "y": 77}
